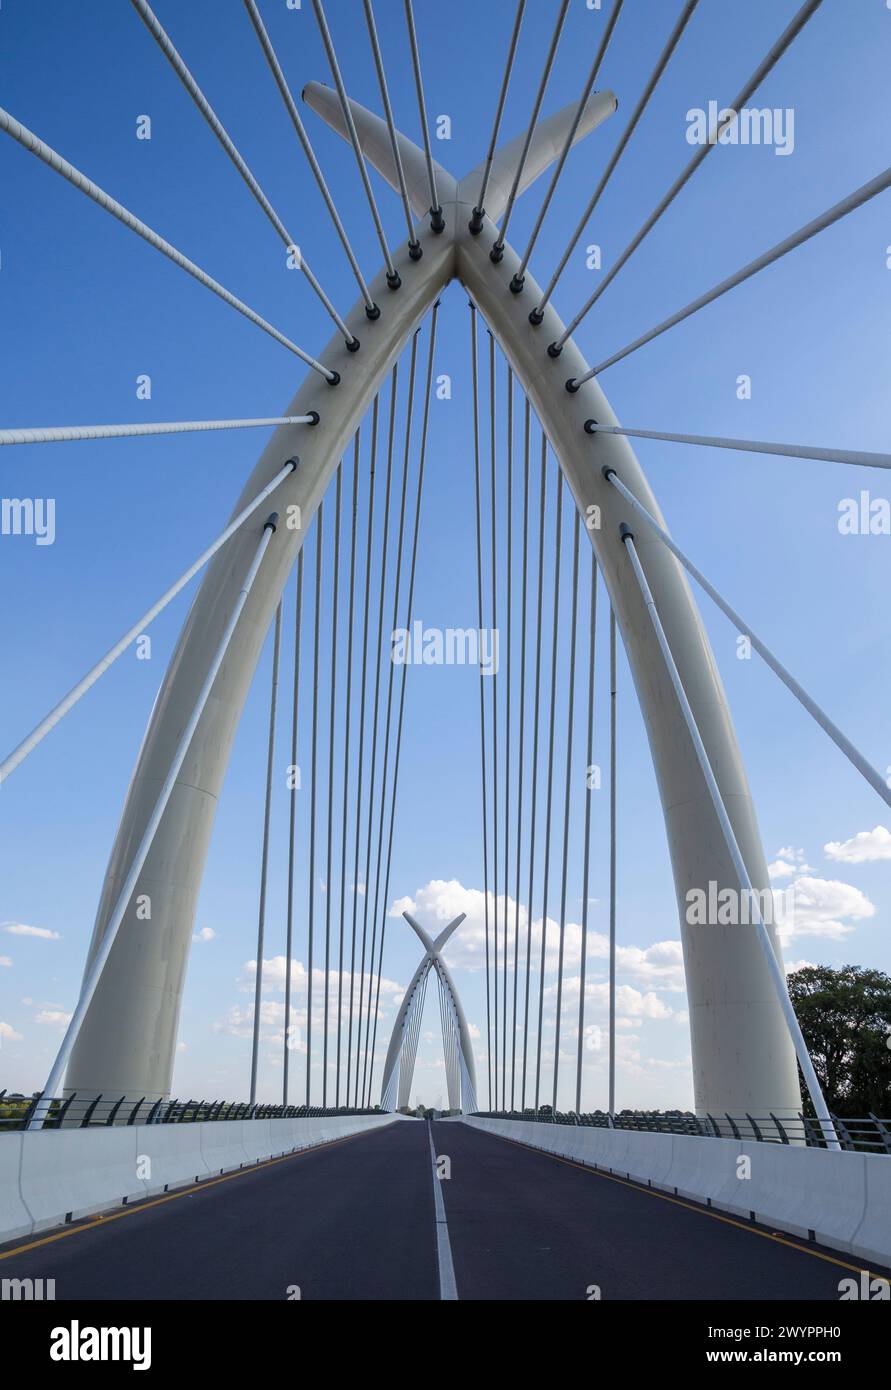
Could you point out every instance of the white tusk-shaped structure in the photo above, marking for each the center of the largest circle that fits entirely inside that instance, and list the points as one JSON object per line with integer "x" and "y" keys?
{"x": 743, "y": 1060}
{"x": 400, "y": 1064}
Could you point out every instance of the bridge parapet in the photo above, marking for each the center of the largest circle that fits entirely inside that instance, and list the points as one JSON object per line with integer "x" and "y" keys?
{"x": 839, "y": 1198}
{"x": 50, "y": 1177}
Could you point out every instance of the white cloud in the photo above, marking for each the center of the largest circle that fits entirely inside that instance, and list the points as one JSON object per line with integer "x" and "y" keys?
{"x": 863, "y": 848}
{"x": 53, "y": 1018}
{"x": 789, "y": 861}
{"x": 660, "y": 966}
{"x": 19, "y": 929}
{"x": 820, "y": 907}
{"x": 8, "y": 1032}
{"x": 275, "y": 967}
{"x": 205, "y": 934}
{"x": 631, "y": 1003}
{"x": 238, "y": 1022}
{"x": 5, "y": 960}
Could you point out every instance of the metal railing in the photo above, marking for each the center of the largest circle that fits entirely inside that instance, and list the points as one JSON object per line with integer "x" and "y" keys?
{"x": 71, "y": 1112}
{"x": 870, "y": 1135}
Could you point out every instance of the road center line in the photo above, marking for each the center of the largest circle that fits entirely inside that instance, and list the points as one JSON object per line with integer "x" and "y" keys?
{"x": 448, "y": 1289}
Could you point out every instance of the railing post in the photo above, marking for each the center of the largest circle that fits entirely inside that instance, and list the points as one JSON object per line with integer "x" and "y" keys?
{"x": 135, "y": 1111}
{"x": 114, "y": 1110}
{"x": 88, "y": 1115}
{"x": 30, "y": 1110}
{"x": 783, "y": 1135}
{"x": 883, "y": 1131}
{"x": 842, "y": 1129}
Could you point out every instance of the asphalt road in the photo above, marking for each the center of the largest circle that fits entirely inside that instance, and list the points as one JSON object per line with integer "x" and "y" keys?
{"x": 356, "y": 1220}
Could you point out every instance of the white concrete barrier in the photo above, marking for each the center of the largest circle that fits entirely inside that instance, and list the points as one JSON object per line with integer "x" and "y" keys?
{"x": 697, "y": 1169}
{"x": 76, "y": 1172}
{"x": 647, "y": 1158}
{"x": 612, "y": 1150}
{"x": 171, "y": 1156}
{"x": 15, "y": 1219}
{"x": 873, "y": 1235}
{"x": 257, "y": 1140}
{"x": 50, "y": 1176}
{"x": 842, "y": 1200}
{"x": 220, "y": 1144}
{"x": 811, "y": 1190}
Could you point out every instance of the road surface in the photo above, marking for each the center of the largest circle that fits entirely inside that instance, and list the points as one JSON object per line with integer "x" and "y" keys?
{"x": 357, "y": 1219}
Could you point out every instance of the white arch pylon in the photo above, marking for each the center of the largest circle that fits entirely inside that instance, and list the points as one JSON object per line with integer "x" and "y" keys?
{"x": 402, "y": 1051}
{"x": 743, "y": 1059}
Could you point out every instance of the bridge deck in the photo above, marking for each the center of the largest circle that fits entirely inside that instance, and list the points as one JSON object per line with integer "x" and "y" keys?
{"x": 356, "y": 1220}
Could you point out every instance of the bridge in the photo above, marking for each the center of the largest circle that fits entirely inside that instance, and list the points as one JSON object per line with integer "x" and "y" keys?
{"x": 516, "y": 1186}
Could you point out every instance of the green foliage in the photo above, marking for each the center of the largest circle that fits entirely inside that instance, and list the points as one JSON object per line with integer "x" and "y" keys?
{"x": 845, "y": 1016}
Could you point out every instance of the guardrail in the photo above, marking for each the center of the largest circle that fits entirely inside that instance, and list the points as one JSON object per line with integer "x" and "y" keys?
{"x": 70, "y": 1112}
{"x": 47, "y": 1180}
{"x": 870, "y": 1135}
{"x": 828, "y": 1196}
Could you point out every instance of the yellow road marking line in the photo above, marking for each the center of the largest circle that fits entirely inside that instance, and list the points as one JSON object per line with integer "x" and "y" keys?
{"x": 689, "y": 1206}
{"x": 103, "y": 1220}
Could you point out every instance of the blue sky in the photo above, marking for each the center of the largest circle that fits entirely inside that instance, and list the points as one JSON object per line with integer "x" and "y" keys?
{"x": 87, "y": 307}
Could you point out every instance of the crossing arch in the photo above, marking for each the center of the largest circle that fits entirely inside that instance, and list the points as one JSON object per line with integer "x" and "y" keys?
{"x": 743, "y": 1059}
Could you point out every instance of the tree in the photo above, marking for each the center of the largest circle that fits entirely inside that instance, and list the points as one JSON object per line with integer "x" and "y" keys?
{"x": 845, "y": 1016}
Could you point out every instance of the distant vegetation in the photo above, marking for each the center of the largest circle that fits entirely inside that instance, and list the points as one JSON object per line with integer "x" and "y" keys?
{"x": 845, "y": 1016}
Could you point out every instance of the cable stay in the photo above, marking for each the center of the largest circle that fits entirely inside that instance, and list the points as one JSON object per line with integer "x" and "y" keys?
{"x": 558, "y": 536}
{"x": 570, "y": 768}
{"x": 841, "y": 209}
{"x": 393, "y": 278}
{"x": 363, "y": 686}
{"x": 31, "y": 142}
{"x": 519, "y": 278}
{"x": 475, "y": 375}
{"x": 275, "y": 67}
{"x": 437, "y": 222}
{"x": 167, "y": 47}
{"x": 39, "y": 733}
{"x": 314, "y": 766}
{"x": 292, "y": 828}
{"x": 428, "y": 396}
{"x": 730, "y": 115}
{"x": 354, "y": 510}
{"x": 394, "y": 381}
{"x": 497, "y": 251}
{"x": 586, "y": 869}
{"x": 329, "y": 869}
{"x": 56, "y": 434}
{"x": 674, "y": 38}
{"x": 97, "y": 965}
{"x": 859, "y": 457}
{"x": 535, "y": 745}
{"x": 479, "y": 212}
{"x": 264, "y": 855}
{"x": 415, "y": 249}
{"x": 854, "y": 756}
{"x": 775, "y": 969}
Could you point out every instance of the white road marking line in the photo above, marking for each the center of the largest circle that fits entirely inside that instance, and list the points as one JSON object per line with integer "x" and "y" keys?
{"x": 448, "y": 1289}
